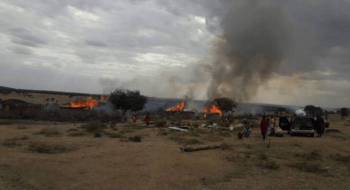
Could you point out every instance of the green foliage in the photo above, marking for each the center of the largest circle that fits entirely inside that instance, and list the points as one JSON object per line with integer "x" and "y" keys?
{"x": 225, "y": 104}
{"x": 311, "y": 109}
{"x": 94, "y": 127}
{"x": 125, "y": 100}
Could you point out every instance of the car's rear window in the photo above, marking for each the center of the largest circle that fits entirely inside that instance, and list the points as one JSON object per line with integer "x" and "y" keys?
{"x": 303, "y": 121}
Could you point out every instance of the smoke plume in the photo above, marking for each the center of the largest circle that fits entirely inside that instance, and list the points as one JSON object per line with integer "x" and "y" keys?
{"x": 248, "y": 49}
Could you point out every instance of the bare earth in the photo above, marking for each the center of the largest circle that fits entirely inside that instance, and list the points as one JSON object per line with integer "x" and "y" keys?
{"x": 157, "y": 163}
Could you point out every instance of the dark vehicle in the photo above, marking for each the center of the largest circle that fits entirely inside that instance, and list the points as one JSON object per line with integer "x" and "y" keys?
{"x": 298, "y": 125}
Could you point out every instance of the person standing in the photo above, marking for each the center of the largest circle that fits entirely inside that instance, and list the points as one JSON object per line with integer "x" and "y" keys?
{"x": 263, "y": 126}
{"x": 147, "y": 119}
{"x": 134, "y": 117}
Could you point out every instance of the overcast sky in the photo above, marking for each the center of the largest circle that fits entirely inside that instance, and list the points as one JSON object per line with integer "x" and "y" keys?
{"x": 157, "y": 46}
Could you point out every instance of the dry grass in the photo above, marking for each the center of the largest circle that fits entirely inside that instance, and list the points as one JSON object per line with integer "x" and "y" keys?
{"x": 5, "y": 122}
{"x": 307, "y": 167}
{"x": 49, "y": 132}
{"x": 183, "y": 140}
{"x": 45, "y": 148}
{"x": 270, "y": 164}
{"x": 21, "y": 127}
{"x": 94, "y": 127}
{"x": 114, "y": 135}
{"x": 212, "y": 138}
{"x": 314, "y": 155}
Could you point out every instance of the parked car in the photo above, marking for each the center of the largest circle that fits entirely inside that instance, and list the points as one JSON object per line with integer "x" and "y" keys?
{"x": 298, "y": 125}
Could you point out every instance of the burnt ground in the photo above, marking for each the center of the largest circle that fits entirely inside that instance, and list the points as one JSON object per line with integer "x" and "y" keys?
{"x": 156, "y": 162}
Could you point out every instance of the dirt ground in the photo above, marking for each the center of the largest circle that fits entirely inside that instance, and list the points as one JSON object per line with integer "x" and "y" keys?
{"x": 158, "y": 163}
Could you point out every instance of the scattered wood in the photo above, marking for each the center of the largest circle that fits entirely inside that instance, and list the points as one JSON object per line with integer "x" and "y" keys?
{"x": 191, "y": 149}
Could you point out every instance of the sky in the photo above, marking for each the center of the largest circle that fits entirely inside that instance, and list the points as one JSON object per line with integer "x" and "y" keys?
{"x": 277, "y": 52}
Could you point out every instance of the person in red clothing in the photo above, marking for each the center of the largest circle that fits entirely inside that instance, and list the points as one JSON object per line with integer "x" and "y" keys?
{"x": 134, "y": 117}
{"x": 263, "y": 126}
{"x": 147, "y": 119}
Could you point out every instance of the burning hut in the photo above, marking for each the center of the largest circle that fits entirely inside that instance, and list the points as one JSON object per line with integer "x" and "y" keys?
{"x": 212, "y": 111}
{"x": 178, "y": 111}
{"x": 20, "y": 109}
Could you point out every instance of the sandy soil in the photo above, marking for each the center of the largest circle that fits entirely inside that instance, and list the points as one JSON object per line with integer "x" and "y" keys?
{"x": 157, "y": 162}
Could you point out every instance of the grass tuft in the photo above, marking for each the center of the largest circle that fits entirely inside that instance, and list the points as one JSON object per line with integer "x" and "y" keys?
{"x": 307, "y": 167}
{"x": 49, "y": 132}
{"x": 160, "y": 123}
{"x": 271, "y": 165}
{"x": 135, "y": 138}
{"x": 183, "y": 140}
{"x": 94, "y": 127}
{"x": 21, "y": 127}
{"x": 6, "y": 122}
{"x": 314, "y": 155}
{"x": 225, "y": 146}
{"x": 76, "y": 134}
{"x": 46, "y": 148}
{"x": 263, "y": 156}
{"x": 11, "y": 142}
{"x": 340, "y": 158}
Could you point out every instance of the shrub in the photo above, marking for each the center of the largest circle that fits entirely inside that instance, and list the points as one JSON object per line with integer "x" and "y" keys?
{"x": 49, "y": 132}
{"x": 160, "y": 123}
{"x": 183, "y": 140}
{"x": 225, "y": 146}
{"x": 340, "y": 158}
{"x": 76, "y": 134}
{"x": 314, "y": 155}
{"x": 97, "y": 134}
{"x": 113, "y": 135}
{"x": 25, "y": 137}
{"x": 240, "y": 135}
{"x": 213, "y": 138}
{"x": 11, "y": 142}
{"x": 307, "y": 167}
{"x": 135, "y": 138}
{"x": 272, "y": 165}
{"x": 263, "y": 156}
{"x": 46, "y": 148}
{"x": 5, "y": 122}
{"x": 21, "y": 127}
{"x": 95, "y": 126}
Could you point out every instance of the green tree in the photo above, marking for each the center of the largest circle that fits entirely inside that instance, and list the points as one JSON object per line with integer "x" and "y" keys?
{"x": 126, "y": 100}
{"x": 344, "y": 112}
{"x": 310, "y": 109}
{"x": 225, "y": 104}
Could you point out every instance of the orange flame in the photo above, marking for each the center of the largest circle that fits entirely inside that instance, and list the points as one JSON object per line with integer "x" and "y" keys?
{"x": 103, "y": 98}
{"x": 212, "y": 109}
{"x": 80, "y": 104}
{"x": 179, "y": 107}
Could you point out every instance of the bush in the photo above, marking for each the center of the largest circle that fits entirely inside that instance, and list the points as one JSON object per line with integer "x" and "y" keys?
{"x": 46, "y": 148}
{"x": 183, "y": 140}
{"x": 262, "y": 156}
{"x": 11, "y": 142}
{"x": 95, "y": 126}
{"x": 225, "y": 146}
{"x": 307, "y": 167}
{"x": 160, "y": 123}
{"x": 97, "y": 134}
{"x": 135, "y": 138}
{"x": 21, "y": 127}
{"x": 272, "y": 165}
{"x": 340, "y": 158}
{"x": 76, "y": 134}
{"x": 113, "y": 135}
{"x": 25, "y": 137}
{"x": 5, "y": 122}
{"x": 314, "y": 155}
{"x": 49, "y": 132}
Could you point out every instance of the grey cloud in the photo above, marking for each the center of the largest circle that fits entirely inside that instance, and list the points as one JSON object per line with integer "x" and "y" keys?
{"x": 25, "y": 37}
{"x": 21, "y": 50}
{"x": 95, "y": 43}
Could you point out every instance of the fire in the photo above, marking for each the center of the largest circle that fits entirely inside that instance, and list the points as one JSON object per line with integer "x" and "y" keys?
{"x": 179, "y": 107}
{"x": 103, "y": 98}
{"x": 80, "y": 104}
{"x": 212, "y": 109}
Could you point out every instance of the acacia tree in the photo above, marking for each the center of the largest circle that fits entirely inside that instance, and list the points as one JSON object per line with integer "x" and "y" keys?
{"x": 311, "y": 109}
{"x": 126, "y": 100}
{"x": 225, "y": 104}
{"x": 344, "y": 112}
